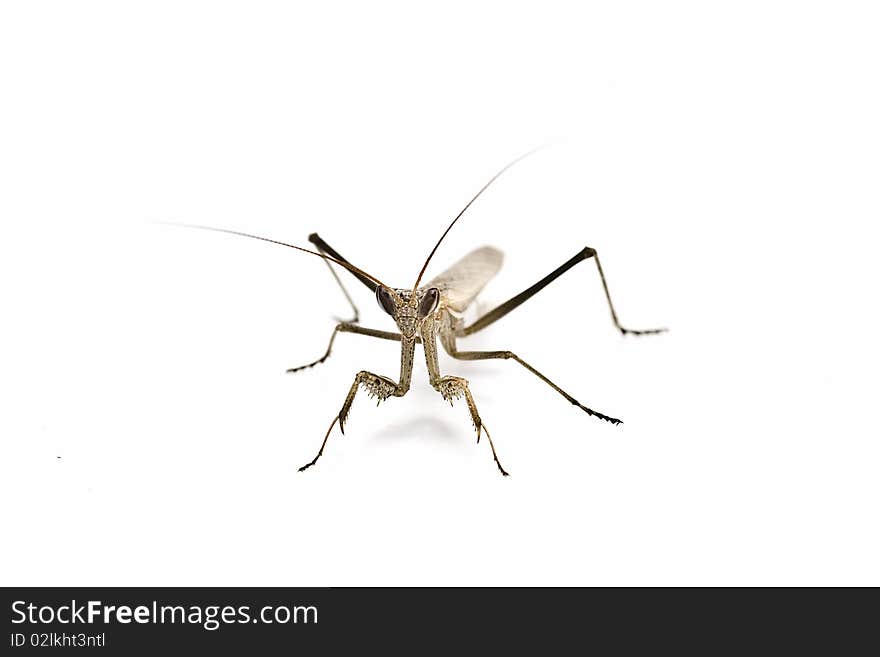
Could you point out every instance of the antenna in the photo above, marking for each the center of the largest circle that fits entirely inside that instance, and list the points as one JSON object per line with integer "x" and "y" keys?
{"x": 463, "y": 210}
{"x": 347, "y": 265}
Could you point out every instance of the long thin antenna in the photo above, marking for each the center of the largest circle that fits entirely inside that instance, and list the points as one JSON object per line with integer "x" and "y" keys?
{"x": 347, "y": 265}
{"x": 463, "y": 210}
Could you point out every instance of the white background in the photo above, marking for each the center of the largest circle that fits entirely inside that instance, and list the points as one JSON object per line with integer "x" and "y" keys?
{"x": 722, "y": 158}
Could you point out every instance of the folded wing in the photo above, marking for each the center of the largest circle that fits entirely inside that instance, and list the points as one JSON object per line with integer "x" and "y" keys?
{"x": 462, "y": 282}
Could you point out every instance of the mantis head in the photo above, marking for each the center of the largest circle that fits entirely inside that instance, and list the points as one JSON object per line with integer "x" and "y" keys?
{"x": 409, "y": 309}
{"x": 412, "y": 308}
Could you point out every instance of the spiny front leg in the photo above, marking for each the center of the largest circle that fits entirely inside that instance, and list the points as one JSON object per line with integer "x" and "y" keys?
{"x": 323, "y": 443}
{"x": 376, "y": 386}
{"x": 455, "y": 387}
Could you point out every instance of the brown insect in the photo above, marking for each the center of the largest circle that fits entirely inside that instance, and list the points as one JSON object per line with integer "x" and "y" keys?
{"x": 434, "y": 310}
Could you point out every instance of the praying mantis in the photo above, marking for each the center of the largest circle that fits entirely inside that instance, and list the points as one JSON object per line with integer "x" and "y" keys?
{"x": 426, "y": 314}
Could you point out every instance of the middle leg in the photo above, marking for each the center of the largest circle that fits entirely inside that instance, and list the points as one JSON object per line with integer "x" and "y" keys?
{"x": 453, "y": 351}
{"x": 345, "y": 327}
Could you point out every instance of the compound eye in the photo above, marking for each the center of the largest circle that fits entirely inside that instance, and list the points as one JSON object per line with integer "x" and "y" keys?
{"x": 429, "y": 302}
{"x": 386, "y": 301}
